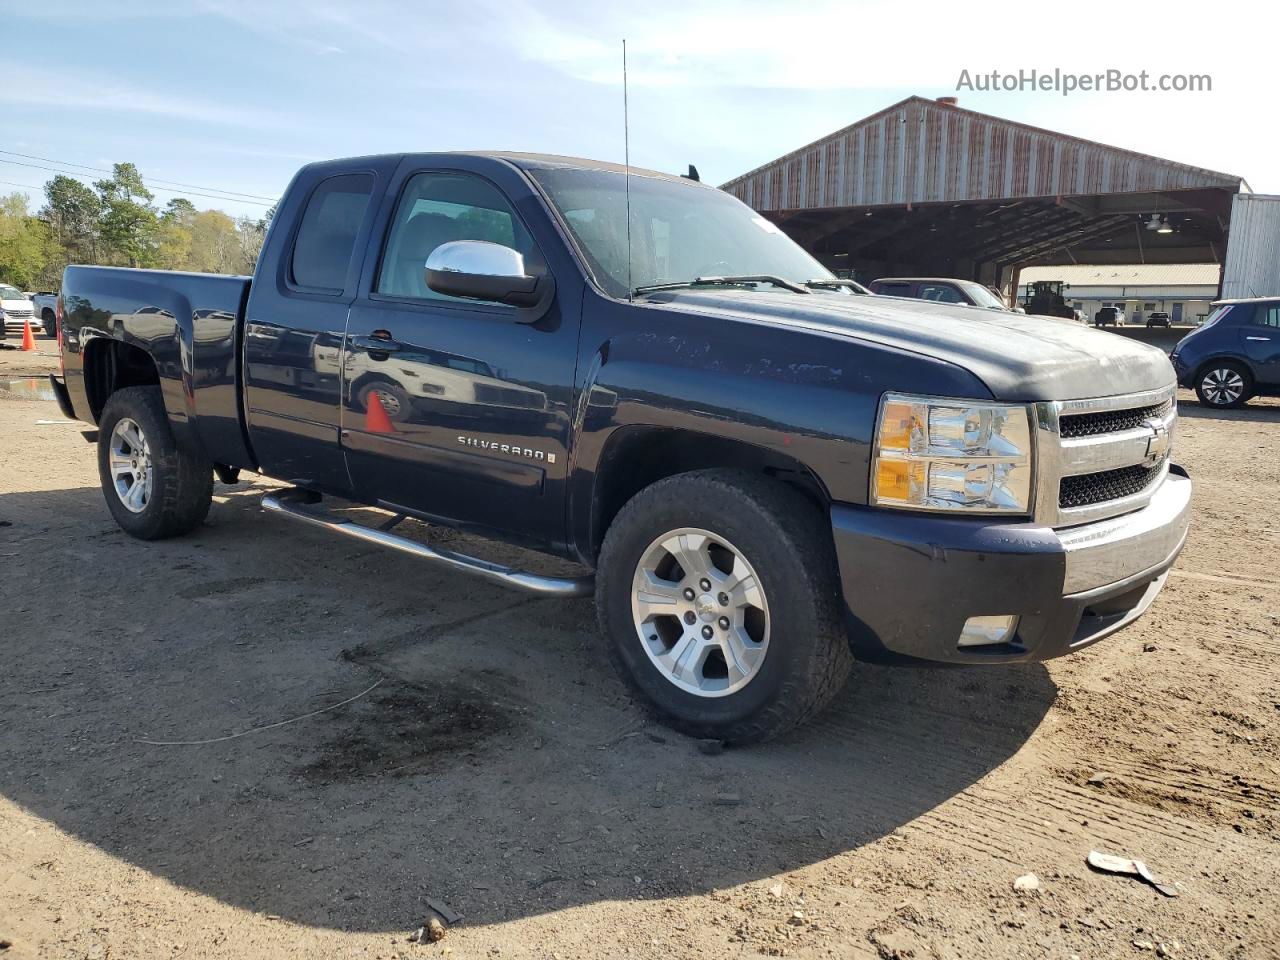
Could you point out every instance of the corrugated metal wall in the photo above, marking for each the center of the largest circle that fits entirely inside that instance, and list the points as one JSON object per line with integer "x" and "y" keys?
{"x": 920, "y": 151}
{"x": 1253, "y": 247}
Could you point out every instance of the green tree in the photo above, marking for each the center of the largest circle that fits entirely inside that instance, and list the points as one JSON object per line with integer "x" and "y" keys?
{"x": 179, "y": 211}
{"x": 27, "y": 246}
{"x": 128, "y": 225}
{"x": 72, "y": 210}
{"x": 215, "y": 246}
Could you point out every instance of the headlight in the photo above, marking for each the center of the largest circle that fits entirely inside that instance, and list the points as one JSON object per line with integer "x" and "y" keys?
{"x": 936, "y": 454}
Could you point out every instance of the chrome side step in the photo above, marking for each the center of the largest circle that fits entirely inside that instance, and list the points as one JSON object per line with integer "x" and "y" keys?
{"x": 292, "y": 503}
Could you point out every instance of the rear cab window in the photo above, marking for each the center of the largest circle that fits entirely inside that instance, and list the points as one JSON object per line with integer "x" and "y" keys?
{"x": 894, "y": 289}
{"x": 326, "y": 238}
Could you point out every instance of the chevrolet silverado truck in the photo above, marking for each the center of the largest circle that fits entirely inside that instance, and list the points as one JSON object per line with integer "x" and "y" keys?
{"x": 762, "y": 474}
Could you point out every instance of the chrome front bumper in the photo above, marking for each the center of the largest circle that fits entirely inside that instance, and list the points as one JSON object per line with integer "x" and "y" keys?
{"x": 1128, "y": 547}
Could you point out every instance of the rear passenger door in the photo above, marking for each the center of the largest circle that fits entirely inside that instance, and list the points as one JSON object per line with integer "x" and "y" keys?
{"x": 295, "y": 321}
{"x": 1260, "y": 338}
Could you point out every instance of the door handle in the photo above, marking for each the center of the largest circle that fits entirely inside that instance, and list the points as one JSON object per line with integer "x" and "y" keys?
{"x": 1267, "y": 339}
{"x": 375, "y": 344}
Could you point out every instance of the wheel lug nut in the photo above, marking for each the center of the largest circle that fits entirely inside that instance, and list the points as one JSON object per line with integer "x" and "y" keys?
{"x": 724, "y": 599}
{"x": 705, "y": 585}
{"x": 688, "y": 593}
{"x": 724, "y": 623}
{"x": 706, "y": 632}
{"x": 690, "y": 617}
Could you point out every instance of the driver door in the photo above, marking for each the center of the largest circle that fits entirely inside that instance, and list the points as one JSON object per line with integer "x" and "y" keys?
{"x": 451, "y": 408}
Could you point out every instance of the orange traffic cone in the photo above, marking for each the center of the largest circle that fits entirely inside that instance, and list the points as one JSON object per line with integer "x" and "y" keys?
{"x": 375, "y": 417}
{"x": 28, "y": 341}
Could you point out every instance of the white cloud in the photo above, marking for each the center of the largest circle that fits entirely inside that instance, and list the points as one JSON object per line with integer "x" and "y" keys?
{"x": 63, "y": 89}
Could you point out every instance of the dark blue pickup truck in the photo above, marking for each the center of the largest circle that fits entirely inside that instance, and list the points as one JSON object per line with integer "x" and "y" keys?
{"x": 766, "y": 472}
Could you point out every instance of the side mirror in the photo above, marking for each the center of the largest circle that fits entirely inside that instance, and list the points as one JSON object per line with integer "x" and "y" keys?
{"x": 479, "y": 270}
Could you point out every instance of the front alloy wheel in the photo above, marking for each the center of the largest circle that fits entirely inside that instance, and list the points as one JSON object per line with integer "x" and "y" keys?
{"x": 700, "y": 612}
{"x": 718, "y": 599}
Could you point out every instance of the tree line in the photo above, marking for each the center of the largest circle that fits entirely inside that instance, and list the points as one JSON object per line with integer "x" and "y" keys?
{"x": 116, "y": 222}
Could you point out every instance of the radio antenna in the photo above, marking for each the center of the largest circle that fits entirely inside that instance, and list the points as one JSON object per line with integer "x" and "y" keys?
{"x": 626, "y": 159}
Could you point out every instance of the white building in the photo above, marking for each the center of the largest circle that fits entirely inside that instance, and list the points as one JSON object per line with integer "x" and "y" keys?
{"x": 1184, "y": 291}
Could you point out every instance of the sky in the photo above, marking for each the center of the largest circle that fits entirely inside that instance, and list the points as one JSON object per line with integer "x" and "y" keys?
{"x": 235, "y": 95}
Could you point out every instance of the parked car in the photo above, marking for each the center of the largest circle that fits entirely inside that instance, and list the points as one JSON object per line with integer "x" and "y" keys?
{"x": 1106, "y": 317}
{"x": 46, "y": 306}
{"x": 15, "y": 307}
{"x": 1159, "y": 319}
{"x": 939, "y": 290}
{"x": 1234, "y": 354}
{"x": 763, "y": 474}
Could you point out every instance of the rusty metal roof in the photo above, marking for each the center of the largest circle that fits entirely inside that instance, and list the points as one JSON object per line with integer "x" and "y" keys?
{"x": 922, "y": 151}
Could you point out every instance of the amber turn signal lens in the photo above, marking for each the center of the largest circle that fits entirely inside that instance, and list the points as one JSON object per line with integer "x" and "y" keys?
{"x": 897, "y": 423}
{"x": 894, "y": 479}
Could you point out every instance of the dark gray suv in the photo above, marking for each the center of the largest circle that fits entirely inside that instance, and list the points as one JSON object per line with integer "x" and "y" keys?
{"x": 1233, "y": 355}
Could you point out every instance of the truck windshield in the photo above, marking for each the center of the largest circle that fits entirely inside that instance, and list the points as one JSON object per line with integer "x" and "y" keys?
{"x": 679, "y": 231}
{"x": 982, "y": 296}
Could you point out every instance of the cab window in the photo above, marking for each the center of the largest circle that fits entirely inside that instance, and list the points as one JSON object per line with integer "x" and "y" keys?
{"x": 941, "y": 293}
{"x": 437, "y": 208}
{"x": 327, "y": 234}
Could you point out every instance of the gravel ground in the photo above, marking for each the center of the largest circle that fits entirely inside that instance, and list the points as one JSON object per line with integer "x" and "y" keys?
{"x": 499, "y": 772}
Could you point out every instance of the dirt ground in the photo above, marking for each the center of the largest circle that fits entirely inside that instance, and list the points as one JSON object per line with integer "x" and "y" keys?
{"x": 499, "y": 772}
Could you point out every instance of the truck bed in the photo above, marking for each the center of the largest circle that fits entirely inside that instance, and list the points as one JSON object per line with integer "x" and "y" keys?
{"x": 189, "y": 323}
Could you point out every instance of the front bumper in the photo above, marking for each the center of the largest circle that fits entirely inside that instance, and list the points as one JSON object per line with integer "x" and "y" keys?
{"x": 911, "y": 581}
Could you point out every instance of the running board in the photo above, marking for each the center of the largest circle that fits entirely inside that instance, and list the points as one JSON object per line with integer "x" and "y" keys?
{"x": 292, "y": 503}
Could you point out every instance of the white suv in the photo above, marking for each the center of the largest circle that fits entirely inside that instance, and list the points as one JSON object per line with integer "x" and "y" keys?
{"x": 17, "y": 309}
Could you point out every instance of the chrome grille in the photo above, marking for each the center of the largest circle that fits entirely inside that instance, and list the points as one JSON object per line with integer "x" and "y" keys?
{"x": 1087, "y": 489}
{"x": 1101, "y": 457}
{"x": 1111, "y": 421}
{"x": 19, "y": 314}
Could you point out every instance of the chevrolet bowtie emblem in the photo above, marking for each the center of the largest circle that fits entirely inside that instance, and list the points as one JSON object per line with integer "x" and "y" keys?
{"x": 1157, "y": 443}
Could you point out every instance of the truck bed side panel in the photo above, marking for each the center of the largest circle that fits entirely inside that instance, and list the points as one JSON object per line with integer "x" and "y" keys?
{"x": 189, "y": 324}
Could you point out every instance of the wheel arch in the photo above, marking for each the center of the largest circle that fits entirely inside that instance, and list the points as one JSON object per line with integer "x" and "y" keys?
{"x": 1233, "y": 358}
{"x": 110, "y": 365}
{"x": 637, "y": 456}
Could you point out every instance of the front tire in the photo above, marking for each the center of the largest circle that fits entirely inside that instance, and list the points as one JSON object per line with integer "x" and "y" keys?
{"x": 154, "y": 489}
{"x": 717, "y": 597}
{"x": 1223, "y": 384}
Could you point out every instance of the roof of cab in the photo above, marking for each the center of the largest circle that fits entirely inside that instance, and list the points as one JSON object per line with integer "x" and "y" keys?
{"x": 526, "y": 161}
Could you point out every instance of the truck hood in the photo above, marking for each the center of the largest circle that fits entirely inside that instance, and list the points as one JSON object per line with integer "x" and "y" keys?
{"x": 1018, "y": 357}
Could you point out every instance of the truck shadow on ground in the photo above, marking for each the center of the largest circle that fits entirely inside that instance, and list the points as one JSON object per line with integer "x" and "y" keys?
{"x": 498, "y": 766}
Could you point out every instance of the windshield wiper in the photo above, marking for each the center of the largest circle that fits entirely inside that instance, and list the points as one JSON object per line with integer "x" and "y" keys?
{"x": 826, "y": 283}
{"x": 724, "y": 282}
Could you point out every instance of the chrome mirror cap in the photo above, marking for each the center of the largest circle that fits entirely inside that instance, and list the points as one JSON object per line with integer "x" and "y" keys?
{"x": 476, "y": 257}
{"x": 479, "y": 270}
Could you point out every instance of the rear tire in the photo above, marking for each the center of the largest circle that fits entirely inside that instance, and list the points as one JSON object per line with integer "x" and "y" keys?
{"x": 154, "y": 489}
{"x": 1223, "y": 384}
{"x": 765, "y": 664}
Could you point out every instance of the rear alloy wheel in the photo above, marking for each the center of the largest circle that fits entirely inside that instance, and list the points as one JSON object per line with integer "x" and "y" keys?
{"x": 719, "y": 603}
{"x": 130, "y": 459}
{"x": 154, "y": 488}
{"x": 1223, "y": 385}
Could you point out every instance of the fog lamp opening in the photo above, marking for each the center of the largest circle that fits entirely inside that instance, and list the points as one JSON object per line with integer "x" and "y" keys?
{"x": 986, "y": 631}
